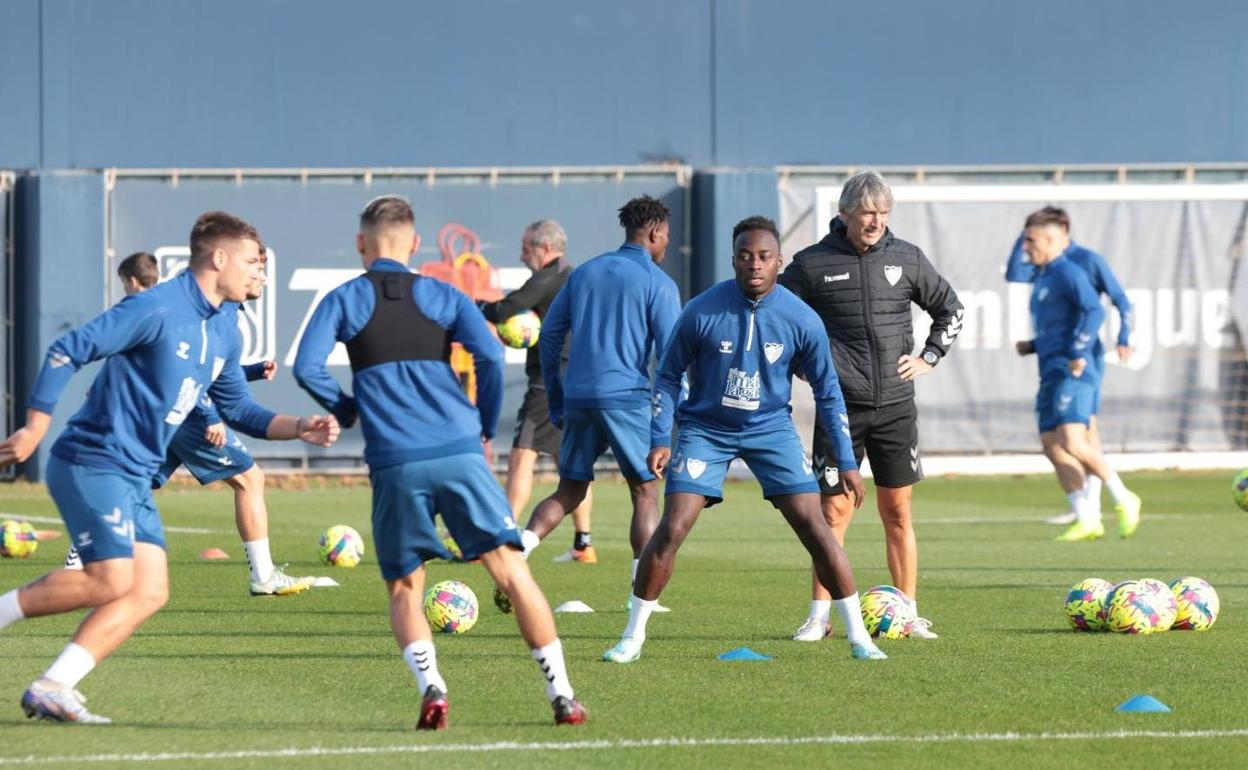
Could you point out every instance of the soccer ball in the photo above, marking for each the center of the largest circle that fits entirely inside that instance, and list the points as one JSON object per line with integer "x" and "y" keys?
{"x": 1130, "y": 609}
{"x": 17, "y": 539}
{"x": 1085, "y": 604}
{"x": 1163, "y": 602}
{"x": 1239, "y": 490}
{"x": 886, "y": 613}
{"x": 341, "y": 546}
{"x": 451, "y": 607}
{"x": 1197, "y": 602}
{"x": 521, "y": 330}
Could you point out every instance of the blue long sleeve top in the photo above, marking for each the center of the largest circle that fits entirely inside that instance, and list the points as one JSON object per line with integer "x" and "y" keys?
{"x": 1066, "y": 312}
{"x": 741, "y": 355}
{"x": 1019, "y": 270}
{"x": 165, "y": 348}
{"x": 619, "y": 308}
{"x": 408, "y": 410}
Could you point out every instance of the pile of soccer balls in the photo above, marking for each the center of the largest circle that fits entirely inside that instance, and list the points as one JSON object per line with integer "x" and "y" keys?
{"x": 17, "y": 539}
{"x": 887, "y": 613}
{"x": 1142, "y": 606}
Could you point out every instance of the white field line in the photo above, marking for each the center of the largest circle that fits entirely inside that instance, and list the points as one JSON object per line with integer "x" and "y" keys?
{"x": 57, "y": 520}
{"x": 606, "y": 745}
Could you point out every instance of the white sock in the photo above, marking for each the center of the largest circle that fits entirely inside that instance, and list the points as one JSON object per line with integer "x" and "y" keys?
{"x": 1092, "y": 488}
{"x": 1117, "y": 489}
{"x": 259, "y": 558}
{"x": 638, "y": 616}
{"x": 422, "y": 659}
{"x": 10, "y": 609}
{"x": 530, "y": 541}
{"x": 550, "y": 659}
{"x": 1084, "y": 513}
{"x": 850, "y": 613}
{"x": 71, "y": 667}
{"x": 820, "y": 609}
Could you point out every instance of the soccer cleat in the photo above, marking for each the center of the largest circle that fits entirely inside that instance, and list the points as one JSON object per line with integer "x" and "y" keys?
{"x": 59, "y": 705}
{"x": 281, "y": 584}
{"x": 866, "y": 651}
{"x": 586, "y": 555}
{"x": 626, "y": 651}
{"x": 1067, "y": 518}
{"x": 502, "y": 601}
{"x": 922, "y": 629}
{"x": 73, "y": 559}
{"x": 568, "y": 711}
{"x": 813, "y": 630}
{"x": 1128, "y": 515}
{"x": 1079, "y": 531}
{"x": 628, "y": 605}
{"x": 434, "y": 709}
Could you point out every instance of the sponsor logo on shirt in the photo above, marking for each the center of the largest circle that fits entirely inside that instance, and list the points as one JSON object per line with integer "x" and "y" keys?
{"x": 835, "y": 278}
{"x": 741, "y": 390}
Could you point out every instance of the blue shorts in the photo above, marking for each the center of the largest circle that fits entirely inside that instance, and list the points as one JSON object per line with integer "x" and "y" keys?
{"x": 1064, "y": 399}
{"x": 205, "y": 462}
{"x": 588, "y": 432}
{"x": 406, "y": 498}
{"x": 701, "y": 457}
{"x": 104, "y": 511}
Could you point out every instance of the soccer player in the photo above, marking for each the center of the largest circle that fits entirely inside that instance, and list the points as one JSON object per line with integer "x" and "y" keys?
{"x": 424, "y": 441}
{"x": 619, "y": 308}
{"x": 542, "y": 246}
{"x": 862, "y": 280}
{"x": 163, "y": 348}
{"x": 212, "y": 452}
{"x": 1019, "y": 270}
{"x": 741, "y": 342}
{"x": 1066, "y": 315}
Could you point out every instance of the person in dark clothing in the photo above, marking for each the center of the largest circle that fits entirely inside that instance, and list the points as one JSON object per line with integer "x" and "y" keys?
{"x": 542, "y": 248}
{"x": 861, "y": 280}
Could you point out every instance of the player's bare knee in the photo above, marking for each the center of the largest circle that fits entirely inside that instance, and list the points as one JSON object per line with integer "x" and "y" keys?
{"x": 109, "y": 584}
{"x": 250, "y": 480}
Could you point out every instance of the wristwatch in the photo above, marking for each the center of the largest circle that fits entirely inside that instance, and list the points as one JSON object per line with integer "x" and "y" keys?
{"x": 930, "y": 357}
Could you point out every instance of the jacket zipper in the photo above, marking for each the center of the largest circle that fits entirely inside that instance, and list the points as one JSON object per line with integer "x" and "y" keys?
{"x": 870, "y": 329}
{"x": 749, "y": 340}
{"x": 203, "y": 350}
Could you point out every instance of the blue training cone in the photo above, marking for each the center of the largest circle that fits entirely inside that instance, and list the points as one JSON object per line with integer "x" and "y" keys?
{"x": 743, "y": 653}
{"x": 1143, "y": 704}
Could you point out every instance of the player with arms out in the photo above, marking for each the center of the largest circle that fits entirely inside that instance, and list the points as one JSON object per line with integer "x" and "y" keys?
{"x": 741, "y": 341}
{"x": 1066, "y": 314}
{"x": 1019, "y": 270}
{"x": 212, "y": 452}
{"x": 163, "y": 348}
{"x": 423, "y": 443}
{"x": 542, "y": 246}
{"x": 619, "y": 308}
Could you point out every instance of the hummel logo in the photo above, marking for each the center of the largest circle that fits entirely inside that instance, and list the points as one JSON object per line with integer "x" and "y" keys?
{"x": 725, "y": 346}
{"x": 837, "y": 277}
{"x": 1063, "y": 402}
{"x": 914, "y": 458}
{"x": 183, "y": 349}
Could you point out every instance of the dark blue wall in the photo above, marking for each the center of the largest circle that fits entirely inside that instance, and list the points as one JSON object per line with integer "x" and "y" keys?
{"x": 226, "y": 83}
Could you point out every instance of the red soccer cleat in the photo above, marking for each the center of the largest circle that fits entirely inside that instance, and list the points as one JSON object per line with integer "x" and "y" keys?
{"x": 434, "y": 709}
{"x": 569, "y": 711}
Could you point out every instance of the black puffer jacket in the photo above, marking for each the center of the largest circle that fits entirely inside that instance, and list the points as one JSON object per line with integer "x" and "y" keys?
{"x": 864, "y": 301}
{"x": 536, "y": 294}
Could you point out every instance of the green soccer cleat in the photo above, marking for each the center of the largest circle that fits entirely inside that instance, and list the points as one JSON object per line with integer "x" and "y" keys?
{"x": 1128, "y": 516}
{"x": 626, "y": 651}
{"x": 1079, "y": 531}
{"x": 867, "y": 651}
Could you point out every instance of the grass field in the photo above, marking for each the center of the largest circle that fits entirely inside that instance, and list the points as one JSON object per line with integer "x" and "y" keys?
{"x": 314, "y": 681}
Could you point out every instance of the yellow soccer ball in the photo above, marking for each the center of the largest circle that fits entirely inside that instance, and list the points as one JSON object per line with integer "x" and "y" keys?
{"x": 17, "y": 540}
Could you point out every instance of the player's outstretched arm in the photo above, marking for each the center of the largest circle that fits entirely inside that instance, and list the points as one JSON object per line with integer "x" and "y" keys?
{"x": 318, "y": 429}
{"x": 19, "y": 446}
{"x": 527, "y": 297}
{"x": 260, "y": 370}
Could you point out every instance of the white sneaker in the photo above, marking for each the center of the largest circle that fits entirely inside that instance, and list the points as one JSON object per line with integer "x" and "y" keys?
{"x": 1066, "y": 518}
{"x": 281, "y": 584}
{"x": 922, "y": 629}
{"x": 58, "y": 704}
{"x": 627, "y": 651}
{"x": 813, "y": 630}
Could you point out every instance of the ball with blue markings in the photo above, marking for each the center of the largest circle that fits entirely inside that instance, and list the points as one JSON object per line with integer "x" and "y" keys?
{"x": 451, "y": 607}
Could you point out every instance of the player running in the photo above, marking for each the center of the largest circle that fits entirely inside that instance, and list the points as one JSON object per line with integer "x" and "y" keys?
{"x": 1019, "y": 270}
{"x": 619, "y": 308}
{"x": 213, "y": 452}
{"x": 423, "y": 442}
{"x": 1066, "y": 314}
{"x": 163, "y": 348}
{"x": 741, "y": 342}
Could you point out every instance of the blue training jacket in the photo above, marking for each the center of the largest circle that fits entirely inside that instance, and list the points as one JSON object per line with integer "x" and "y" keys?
{"x": 620, "y": 309}
{"x": 165, "y": 347}
{"x": 1019, "y": 270}
{"x": 408, "y": 410}
{"x": 1066, "y": 312}
{"x": 741, "y": 355}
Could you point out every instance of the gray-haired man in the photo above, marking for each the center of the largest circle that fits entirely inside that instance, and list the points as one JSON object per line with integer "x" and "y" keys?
{"x": 861, "y": 280}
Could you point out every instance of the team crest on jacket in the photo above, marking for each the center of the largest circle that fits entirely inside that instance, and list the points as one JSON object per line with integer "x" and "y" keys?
{"x": 893, "y": 274}
{"x": 773, "y": 350}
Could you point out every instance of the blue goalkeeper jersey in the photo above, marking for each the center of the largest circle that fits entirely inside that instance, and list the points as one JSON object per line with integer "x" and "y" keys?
{"x": 165, "y": 348}
{"x": 619, "y": 308}
{"x": 409, "y": 408}
{"x": 1066, "y": 313}
{"x": 741, "y": 355}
